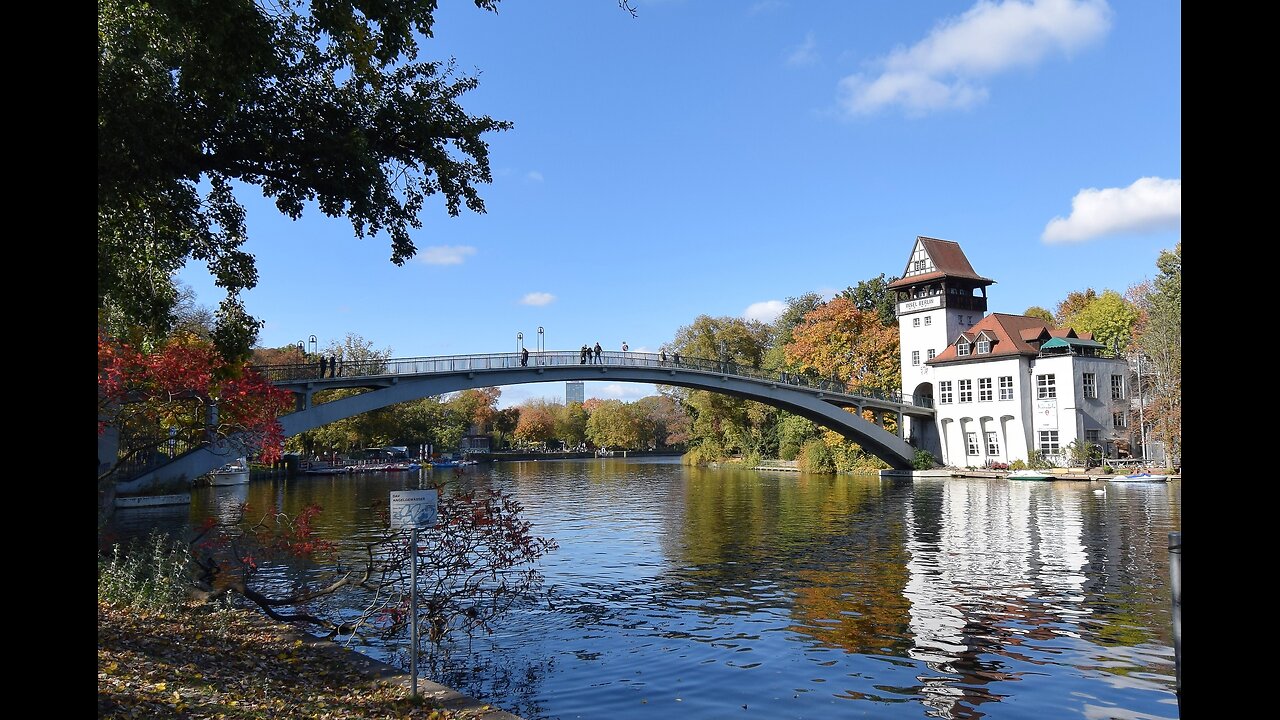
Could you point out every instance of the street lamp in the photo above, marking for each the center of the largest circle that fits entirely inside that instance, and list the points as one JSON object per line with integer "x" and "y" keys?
{"x": 302, "y": 349}
{"x": 519, "y": 342}
{"x": 314, "y": 345}
{"x": 542, "y": 340}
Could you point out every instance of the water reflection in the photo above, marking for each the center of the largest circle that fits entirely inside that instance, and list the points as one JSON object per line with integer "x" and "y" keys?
{"x": 682, "y": 592}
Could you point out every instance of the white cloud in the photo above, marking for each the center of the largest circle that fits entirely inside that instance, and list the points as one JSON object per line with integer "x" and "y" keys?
{"x": 1149, "y": 204}
{"x": 764, "y": 6}
{"x": 537, "y": 298}
{"x": 626, "y": 392}
{"x": 806, "y": 53}
{"x": 533, "y": 175}
{"x": 765, "y": 312}
{"x": 944, "y": 69}
{"x": 447, "y": 254}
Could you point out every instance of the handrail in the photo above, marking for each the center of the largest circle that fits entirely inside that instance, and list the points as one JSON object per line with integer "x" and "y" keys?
{"x": 321, "y": 369}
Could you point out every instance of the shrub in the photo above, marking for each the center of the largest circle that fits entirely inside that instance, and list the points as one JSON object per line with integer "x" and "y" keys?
{"x": 923, "y": 460}
{"x": 151, "y": 573}
{"x": 1017, "y": 465}
{"x": 815, "y": 457}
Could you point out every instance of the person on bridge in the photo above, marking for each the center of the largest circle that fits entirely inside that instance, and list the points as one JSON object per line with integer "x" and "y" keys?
{"x": 582, "y": 355}
{"x": 662, "y": 357}
{"x": 675, "y": 357}
{"x": 598, "y": 350}
{"x": 524, "y": 357}
{"x": 333, "y": 366}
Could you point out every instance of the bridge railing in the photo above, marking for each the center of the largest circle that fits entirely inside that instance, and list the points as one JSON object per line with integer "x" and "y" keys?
{"x": 509, "y": 361}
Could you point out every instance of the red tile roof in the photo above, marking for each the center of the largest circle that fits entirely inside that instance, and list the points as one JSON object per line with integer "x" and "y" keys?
{"x": 1012, "y": 333}
{"x": 948, "y": 260}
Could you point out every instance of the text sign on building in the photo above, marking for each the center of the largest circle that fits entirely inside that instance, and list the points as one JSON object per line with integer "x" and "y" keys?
{"x": 413, "y": 509}
{"x": 1046, "y": 414}
{"x": 920, "y": 304}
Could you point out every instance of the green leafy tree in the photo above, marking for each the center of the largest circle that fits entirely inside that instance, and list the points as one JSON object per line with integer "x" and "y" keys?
{"x": 874, "y": 295}
{"x": 1074, "y": 303}
{"x": 1109, "y": 317}
{"x": 323, "y": 104}
{"x": 571, "y": 424}
{"x": 615, "y": 424}
{"x": 1036, "y": 311}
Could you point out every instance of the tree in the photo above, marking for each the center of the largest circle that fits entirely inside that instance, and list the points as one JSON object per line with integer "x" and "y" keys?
{"x": 322, "y": 104}
{"x": 1109, "y": 317}
{"x": 874, "y": 294}
{"x": 182, "y": 395}
{"x": 839, "y": 340}
{"x": 721, "y": 423}
{"x": 1036, "y": 311}
{"x": 1159, "y": 339}
{"x": 1074, "y": 303}
{"x": 571, "y": 424}
{"x": 537, "y": 422}
{"x": 615, "y": 424}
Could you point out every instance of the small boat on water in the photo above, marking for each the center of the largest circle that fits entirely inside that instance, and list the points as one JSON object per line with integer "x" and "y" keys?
{"x": 336, "y": 470}
{"x": 1029, "y": 475}
{"x": 1139, "y": 477}
{"x": 234, "y": 473}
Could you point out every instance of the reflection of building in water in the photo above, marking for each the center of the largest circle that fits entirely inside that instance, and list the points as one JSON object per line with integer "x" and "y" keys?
{"x": 992, "y": 566}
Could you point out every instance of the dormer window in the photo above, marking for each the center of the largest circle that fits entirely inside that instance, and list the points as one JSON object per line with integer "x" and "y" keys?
{"x": 962, "y": 348}
{"x": 984, "y": 347}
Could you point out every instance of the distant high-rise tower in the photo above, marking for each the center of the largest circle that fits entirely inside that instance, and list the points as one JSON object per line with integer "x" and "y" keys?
{"x": 574, "y": 393}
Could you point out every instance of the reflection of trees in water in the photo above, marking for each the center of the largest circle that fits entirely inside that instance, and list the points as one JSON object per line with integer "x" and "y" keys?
{"x": 485, "y": 675}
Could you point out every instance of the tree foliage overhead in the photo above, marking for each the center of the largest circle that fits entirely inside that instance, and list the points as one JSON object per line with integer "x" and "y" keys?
{"x": 1109, "y": 317}
{"x": 320, "y": 102}
{"x": 839, "y": 340}
{"x": 874, "y": 294}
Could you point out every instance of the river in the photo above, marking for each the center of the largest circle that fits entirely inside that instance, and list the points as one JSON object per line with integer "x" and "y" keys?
{"x": 723, "y": 593}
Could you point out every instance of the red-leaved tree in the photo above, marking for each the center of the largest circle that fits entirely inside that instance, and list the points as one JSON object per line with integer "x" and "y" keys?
{"x": 178, "y": 396}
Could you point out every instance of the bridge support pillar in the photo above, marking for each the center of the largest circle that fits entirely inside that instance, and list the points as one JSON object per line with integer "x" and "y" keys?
{"x": 301, "y": 401}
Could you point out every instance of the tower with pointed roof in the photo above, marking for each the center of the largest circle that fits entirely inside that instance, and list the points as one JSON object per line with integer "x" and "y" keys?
{"x": 1003, "y": 386}
{"x": 938, "y": 296}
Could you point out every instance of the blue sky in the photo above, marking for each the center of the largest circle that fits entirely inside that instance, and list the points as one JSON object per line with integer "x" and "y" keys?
{"x": 719, "y": 157}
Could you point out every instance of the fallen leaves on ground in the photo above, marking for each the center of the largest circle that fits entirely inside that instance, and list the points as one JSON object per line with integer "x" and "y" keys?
{"x": 232, "y": 664}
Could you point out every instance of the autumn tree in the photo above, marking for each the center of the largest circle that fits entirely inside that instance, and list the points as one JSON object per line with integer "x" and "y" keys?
{"x": 615, "y": 424}
{"x": 721, "y": 424}
{"x": 665, "y": 420}
{"x": 181, "y": 395}
{"x": 571, "y": 424}
{"x": 837, "y": 340}
{"x": 312, "y": 104}
{"x": 1072, "y": 304}
{"x": 537, "y": 422}
{"x": 1159, "y": 339}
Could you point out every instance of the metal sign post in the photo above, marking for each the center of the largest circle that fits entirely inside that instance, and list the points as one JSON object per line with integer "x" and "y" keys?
{"x": 413, "y": 509}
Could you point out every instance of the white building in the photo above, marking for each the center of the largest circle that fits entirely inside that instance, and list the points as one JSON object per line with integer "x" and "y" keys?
{"x": 1003, "y": 385}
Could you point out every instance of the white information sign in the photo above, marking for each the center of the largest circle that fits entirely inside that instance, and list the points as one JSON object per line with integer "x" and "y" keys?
{"x": 413, "y": 509}
{"x": 1047, "y": 414}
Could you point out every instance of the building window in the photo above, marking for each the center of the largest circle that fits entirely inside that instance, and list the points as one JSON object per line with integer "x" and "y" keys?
{"x": 915, "y": 357}
{"x": 1045, "y": 387}
{"x": 966, "y": 391}
{"x": 1006, "y": 387}
{"x": 928, "y": 319}
{"x": 984, "y": 389}
{"x": 944, "y": 392}
{"x": 915, "y": 322}
{"x": 1090, "y": 385}
{"x": 962, "y": 349}
{"x": 984, "y": 347}
{"x": 1049, "y": 442}
{"x": 1118, "y": 420}
{"x": 1093, "y": 436}
{"x": 971, "y": 439}
{"x": 1117, "y": 387}
{"x": 993, "y": 443}
{"x": 919, "y": 265}
{"x": 932, "y": 353}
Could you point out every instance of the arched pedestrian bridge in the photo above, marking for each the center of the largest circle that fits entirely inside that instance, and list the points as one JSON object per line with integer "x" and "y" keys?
{"x": 389, "y": 382}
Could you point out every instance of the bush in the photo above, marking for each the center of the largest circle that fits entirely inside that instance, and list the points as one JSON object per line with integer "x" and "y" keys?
{"x": 1017, "y": 465}
{"x": 923, "y": 460}
{"x": 815, "y": 457}
{"x": 151, "y": 574}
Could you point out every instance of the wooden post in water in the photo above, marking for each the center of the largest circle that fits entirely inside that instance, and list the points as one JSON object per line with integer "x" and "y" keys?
{"x": 1175, "y": 585}
{"x": 413, "y": 608}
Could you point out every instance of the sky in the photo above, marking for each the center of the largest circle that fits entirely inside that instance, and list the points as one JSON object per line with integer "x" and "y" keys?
{"x": 718, "y": 158}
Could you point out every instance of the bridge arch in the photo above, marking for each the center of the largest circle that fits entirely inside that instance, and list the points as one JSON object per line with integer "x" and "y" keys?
{"x": 396, "y": 381}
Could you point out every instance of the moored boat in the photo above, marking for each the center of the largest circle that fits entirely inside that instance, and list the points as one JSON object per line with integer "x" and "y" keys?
{"x": 142, "y": 501}
{"x": 234, "y": 473}
{"x": 1029, "y": 475}
{"x": 1139, "y": 477}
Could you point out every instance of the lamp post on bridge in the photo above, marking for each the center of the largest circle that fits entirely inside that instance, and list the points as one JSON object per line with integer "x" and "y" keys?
{"x": 542, "y": 340}
{"x": 315, "y": 347}
{"x": 519, "y": 342}
{"x": 302, "y": 349}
